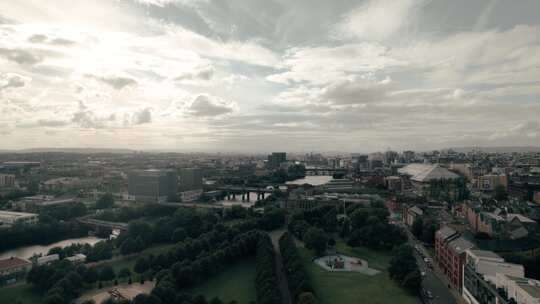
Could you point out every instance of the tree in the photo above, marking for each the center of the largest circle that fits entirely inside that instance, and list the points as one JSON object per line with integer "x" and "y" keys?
{"x": 106, "y": 201}
{"x": 91, "y": 276}
{"x": 107, "y": 273}
{"x": 402, "y": 262}
{"x": 124, "y": 273}
{"x": 307, "y": 298}
{"x": 146, "y": 299}
{"x": 180, "y": 234}
{"x": 428, "y": 233}
{"x": 128, "y": 246}
{"x": 413, "y": 281}
{"x": 316, "y": 239}
{"x": 417, "y": 227}
{"x": 141, "y": 265}
{"x": 54, "y": 299}
{"x": 500, "y": 193}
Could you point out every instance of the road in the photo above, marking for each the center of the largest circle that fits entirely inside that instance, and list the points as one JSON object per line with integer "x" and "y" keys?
{"x": 431, "y": 282}
{"x": 283, "y": 284}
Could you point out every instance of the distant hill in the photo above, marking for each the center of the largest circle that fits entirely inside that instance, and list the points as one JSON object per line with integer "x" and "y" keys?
{"x": 518, "y": 149}
{"x": 70, "y": 150}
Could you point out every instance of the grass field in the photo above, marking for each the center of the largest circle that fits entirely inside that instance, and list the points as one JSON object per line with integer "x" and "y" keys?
{"x": 20, "y": 293}
{"x": 356, "y": 288}
{"x": 236, "y": 282}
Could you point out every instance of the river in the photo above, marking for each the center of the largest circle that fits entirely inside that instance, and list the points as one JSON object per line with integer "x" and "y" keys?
{"x": 314, "y": 180}
{"x": 27, "y": 252}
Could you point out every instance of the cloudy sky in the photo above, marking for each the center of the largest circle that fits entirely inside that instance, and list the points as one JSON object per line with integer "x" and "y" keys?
{"x": 302, "y": 75}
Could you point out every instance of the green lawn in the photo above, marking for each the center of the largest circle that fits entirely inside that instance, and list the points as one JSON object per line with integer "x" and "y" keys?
{"x": 20, "y": 293}
{"x": 236, "y": 282}
{"x": 356, "y": 288}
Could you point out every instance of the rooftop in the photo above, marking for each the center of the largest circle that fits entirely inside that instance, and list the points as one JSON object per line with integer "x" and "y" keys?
{"x": 13, "y": 263}
{"x": 427, "y": 172}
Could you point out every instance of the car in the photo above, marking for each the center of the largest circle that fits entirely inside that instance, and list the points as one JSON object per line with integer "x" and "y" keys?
{"x": 428, "y": 294}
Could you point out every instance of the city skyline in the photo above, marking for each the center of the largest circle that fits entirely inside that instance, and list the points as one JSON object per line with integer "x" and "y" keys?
{"x": 202, "y": 75}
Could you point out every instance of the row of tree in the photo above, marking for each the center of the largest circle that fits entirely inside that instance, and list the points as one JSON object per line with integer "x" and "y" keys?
{"x": 266, "y": 280}
{"x": 425, "y": 230}
{"x": 61, "y": 281}
{"x": 404, "y": 269}
{"x": 297, "y": 278}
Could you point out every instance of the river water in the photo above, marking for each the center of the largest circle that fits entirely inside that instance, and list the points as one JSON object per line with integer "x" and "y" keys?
{"x": 27, "y": 252}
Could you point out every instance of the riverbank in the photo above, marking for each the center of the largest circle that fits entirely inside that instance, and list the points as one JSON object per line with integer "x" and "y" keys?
{"x": 27, "y": 252}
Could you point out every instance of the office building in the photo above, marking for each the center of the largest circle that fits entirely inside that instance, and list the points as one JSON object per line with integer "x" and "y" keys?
{"x": 191, "y": 179}
{"x": 152, "y": 185}
{"x": 276, "y": 159}
{"x": 7, "y": 180}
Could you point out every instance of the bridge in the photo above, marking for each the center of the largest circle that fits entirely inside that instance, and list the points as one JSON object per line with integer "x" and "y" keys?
{"x": 232, "y": 191}
{"x": 194, "y": 205}
{"x": 103, "y": 224}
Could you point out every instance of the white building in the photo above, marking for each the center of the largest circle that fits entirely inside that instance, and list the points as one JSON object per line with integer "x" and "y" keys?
{"x": 522, "y": 290}
{"x": 10, "y": 218}
{"x": 77, "y": 258}
{"x": 47, "y": 259}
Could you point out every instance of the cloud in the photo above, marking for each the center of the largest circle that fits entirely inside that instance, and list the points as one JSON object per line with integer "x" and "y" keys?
{"x": 319, "y": 65}
{"x": 204, "y": 74}
{"x": 11, "y": 80}
{"x": 51, "y": 123}
{"x": 378, "y": 19}
{"x": 208, "y": 106}
{"x": 20, "y": 56}
{"x": 142, "y": 117}
{"x": 117, "y": 82}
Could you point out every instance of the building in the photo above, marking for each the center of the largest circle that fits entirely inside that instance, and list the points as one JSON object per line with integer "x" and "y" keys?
{"x": 276, "y": 159}
{"x": 489, "y": 182}
{"x": 37, "y": 203}
{"x": 67, "y": 183}
{"x": 425, "y": 173}
{"x": 411, "y": 214}
{"x": 521, "y": 290}
{"x": 10, "y": 218}
{"x": 393, "y": 183}
{"x": 13, "y": 270}
{"x": 480, "y": 273}
{"x": 7, "y": 181}
{"x": 45, "y": 260}
{"x": 498, "y": 223}
{"x": 450, "y": 253}
{"x": 337, "y": 185}
{"x": 77, "y": 258}
{"x": 191, "y": 179}
{"x": 190, "y": 196}
{"x": 152, "y": 185}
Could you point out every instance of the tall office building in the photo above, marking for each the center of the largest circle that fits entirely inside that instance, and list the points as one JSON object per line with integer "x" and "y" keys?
{"x": 191, "y": 179}
{"x": 276, "y": 158}
{"x": 152, "y": 185}
{"x": 7, "y": 180}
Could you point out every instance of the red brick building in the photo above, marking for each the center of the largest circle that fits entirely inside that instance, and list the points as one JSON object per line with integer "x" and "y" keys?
{"x": 450, "y": 254}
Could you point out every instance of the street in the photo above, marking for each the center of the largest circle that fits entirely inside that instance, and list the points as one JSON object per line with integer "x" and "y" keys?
{"x": 431, "y": 282}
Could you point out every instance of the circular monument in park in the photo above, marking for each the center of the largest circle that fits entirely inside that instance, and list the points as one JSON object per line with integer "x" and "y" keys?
{"x": 343, "y": 263}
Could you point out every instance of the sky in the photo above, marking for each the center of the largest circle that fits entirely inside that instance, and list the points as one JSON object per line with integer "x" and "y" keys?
{"x": 256, "y": 76}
